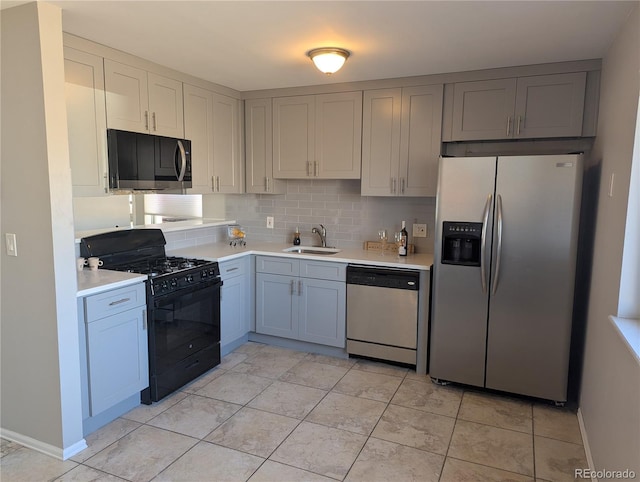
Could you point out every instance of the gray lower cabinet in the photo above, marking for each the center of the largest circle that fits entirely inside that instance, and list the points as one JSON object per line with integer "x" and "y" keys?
{"x": 114, "y": 328}
{"x": 301, "y": 299}
{"x": 235, "y": 299}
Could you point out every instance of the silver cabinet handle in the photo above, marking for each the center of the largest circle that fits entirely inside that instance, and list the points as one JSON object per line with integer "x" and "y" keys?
{"x": 300, "y": 285}
{"x": 106, "y": 182}
{"x": 123, "y": 300}
{"x": 217, "y": 183}
{"x": 293, "y": 288}
{"x": 483, "y": 243}
{"x": 266, "y": 184}
{"x": 155, "y": 124}
{"x": 393, "y": 185}
{"x": 499, "y": 248}
{"x": 232, "y": 269}
{"x": 315, "y": 168}
{"x": 213, "y": 183}
{"x": 518, "y": 125}
{"x": 183, "y": 161}
{"x": 509, "y": 126}
{"x": 308, "y": 168}
{"x": 144, "y": 320}
{"x": 402, "y": 185}
{"x": 146, "y": 120}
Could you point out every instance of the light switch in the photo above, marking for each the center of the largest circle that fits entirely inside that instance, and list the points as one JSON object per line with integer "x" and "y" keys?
{"x": 12, "y": 247}
{"x": 270, "y": 222}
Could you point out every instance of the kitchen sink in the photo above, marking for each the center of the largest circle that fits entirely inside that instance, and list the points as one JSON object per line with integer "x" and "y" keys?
{"x": 312, "y": 250}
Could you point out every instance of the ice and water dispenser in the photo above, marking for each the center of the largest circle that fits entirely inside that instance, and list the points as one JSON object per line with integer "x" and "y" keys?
{"x": 461, "y": 243}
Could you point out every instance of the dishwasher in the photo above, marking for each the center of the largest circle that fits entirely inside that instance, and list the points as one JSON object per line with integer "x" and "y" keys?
{"x": 382, "y": 313}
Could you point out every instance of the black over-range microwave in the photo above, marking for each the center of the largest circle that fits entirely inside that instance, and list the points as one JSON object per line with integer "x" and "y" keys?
{"x": 147, "y": 162}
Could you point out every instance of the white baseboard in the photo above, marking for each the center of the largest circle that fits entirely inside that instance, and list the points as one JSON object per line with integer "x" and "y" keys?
{"x": 45, "y": 448}
{"x": 585, "y": 444}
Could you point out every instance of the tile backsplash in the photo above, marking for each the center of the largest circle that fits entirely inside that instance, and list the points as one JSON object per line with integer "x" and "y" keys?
{"x": 350, "y": 218}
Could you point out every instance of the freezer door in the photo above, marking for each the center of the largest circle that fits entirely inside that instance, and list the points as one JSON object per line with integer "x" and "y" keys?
{"x": 459, "y": 303}
{"x": 530, "y": 309}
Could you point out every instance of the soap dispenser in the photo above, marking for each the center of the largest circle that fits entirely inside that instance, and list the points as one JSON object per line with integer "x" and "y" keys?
{"x": 296, "y": 237}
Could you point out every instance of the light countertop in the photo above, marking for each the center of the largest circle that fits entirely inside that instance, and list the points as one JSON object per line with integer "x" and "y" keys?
{"x": 91, "y": 282}
{"x": 223, "y": 252}
{"x": 166, "y": 227}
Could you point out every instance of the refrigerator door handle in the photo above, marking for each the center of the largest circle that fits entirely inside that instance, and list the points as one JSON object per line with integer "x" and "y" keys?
{"x": 483, "y": 241}
{"x": 499, "y": 249}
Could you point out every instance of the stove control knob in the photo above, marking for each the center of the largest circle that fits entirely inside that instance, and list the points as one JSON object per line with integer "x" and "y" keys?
{"x": 174, "y": 283}
{"x": 189, "y": 278}
{"x": 164, "y": 286}
{"x": 204, "y": 273}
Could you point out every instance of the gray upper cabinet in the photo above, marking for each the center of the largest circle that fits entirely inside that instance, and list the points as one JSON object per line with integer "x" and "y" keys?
{"x": 550, "y": 105}
{"x": 317, "y": 136}
{"x": 87, "y": 122}
{"x": 211, "y": 123}
{"x": 258, "y": 133}
{"x": 402, "y": 131}
{"x": 519, "y": 108}
{"x": 141, "y": 101}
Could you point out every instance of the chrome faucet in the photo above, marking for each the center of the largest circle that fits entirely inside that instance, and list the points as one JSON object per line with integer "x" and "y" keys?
{"x": 322, "y": 233}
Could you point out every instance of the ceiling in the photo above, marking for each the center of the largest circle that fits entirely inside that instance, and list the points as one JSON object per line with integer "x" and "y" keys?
{"x": 254, "y": 45}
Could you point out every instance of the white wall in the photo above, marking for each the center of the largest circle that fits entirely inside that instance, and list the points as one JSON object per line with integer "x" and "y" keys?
{"x": 610, "y": 398}
{"x": 39, "y": 334}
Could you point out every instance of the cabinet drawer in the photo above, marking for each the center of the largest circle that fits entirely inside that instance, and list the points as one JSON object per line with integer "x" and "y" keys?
{"x": 114, "y": 301}
{"x": 274, "y": 265}
{"x": 323, "y": 270}
{"x": 230, "y": 269}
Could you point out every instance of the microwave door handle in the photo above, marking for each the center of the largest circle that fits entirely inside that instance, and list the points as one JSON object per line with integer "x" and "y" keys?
{"x": 483, "y": 242}
{"x": 183, "y": 161}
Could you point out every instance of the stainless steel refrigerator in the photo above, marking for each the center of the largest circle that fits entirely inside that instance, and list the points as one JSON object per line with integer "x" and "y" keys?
{"x": 504, "y": 264}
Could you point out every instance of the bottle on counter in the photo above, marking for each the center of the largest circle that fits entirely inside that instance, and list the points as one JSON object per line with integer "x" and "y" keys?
{"x": 404, "y": 241}
{"x": 296, "y": 237}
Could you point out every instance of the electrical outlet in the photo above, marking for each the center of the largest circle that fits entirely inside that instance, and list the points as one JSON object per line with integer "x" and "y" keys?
{"x": 419, "y": 230}
{"x": 270, "y": 222}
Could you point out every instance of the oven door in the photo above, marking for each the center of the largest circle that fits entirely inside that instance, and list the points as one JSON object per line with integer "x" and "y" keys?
{"x": 184, "y": 337}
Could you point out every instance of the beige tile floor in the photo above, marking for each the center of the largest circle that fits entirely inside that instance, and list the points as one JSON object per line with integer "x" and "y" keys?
{"x": 271, "y": 414}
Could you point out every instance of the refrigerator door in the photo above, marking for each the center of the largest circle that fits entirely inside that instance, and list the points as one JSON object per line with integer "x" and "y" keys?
{"x": 531, "y": 304}
{"x": 459, "y": 302}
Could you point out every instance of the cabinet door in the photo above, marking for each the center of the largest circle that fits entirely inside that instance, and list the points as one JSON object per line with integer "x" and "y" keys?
{"x": 322, "y": 311}
{"x": 420, "y": 141}
{"x": 118, "y": 358}
{"x": 276, "y": 305}
{"x": 87, "y": 122}
{"x": 233, "y": 309}
{"x": 381, "y": 142}
{"x": 293, "y": 137}
{"x": 127, "y": 97}
{"x": 258, "y": 133}
{"x": 483, "y": 110}
{"x": 227, "y": 167}
{"x": 338, "y": 137}
{"x": 165, "y": 106}
{"x": 550, "y": 105}
{"x": 198, "y": 128}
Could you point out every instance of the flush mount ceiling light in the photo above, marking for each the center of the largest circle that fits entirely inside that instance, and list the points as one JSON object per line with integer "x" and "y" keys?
{"x": 329, "y": 59}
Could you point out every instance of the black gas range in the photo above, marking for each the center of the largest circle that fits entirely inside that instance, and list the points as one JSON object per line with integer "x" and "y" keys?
{"x": 183, "y": 305}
